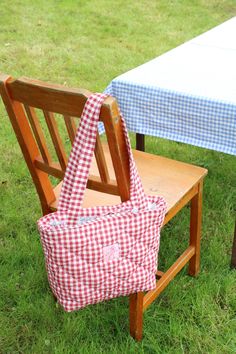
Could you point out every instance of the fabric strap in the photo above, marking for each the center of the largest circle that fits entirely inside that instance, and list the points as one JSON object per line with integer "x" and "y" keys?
{"x": 77, "y": 172}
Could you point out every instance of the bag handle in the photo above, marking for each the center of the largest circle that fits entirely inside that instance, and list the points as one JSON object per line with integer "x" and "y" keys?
{"x": 77, "y": 172}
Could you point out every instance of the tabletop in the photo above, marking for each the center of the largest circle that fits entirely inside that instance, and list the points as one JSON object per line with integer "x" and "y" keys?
{"x": 187, "y": 94}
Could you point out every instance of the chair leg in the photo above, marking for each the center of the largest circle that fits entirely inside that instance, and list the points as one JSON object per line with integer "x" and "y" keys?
{"x": 54, "y": 297}
{"x": 136, "y": 315}
{"x": 195, "y": 230}
{"x": 233, "y": 258}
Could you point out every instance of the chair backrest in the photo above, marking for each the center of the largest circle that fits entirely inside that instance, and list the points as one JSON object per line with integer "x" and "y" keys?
{"x": 24, "y": 97}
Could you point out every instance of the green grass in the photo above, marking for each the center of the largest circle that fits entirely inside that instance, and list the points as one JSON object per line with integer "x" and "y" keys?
{"x": 86, "y": 44}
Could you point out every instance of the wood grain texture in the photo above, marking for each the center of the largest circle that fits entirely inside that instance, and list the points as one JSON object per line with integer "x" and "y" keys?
{"x": 118, "y": 151}
{"x": 38, "y": 133}
{"x": 136, "y": 315}
{"x": 56, "y": 139}
{"x": 101, "y": 160}
{"x": 28, "y": 145}
{"x": 53, "y": 98}
{"x": 71, "y": 127}
{"x": 177, "y": 190}
{"x": 94, "y": 182}
{"x": 168, "y": 276}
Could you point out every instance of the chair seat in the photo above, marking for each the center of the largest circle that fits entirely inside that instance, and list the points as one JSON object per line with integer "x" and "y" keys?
{"x": 160, "y": 176}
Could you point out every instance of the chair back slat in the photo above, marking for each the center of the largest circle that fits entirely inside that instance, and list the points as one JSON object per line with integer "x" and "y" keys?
{"x": 101, "y": 161}
{"x": 56, "y": 139}
{"x": 23, "y": 97}
{"x": 38, "y": 133}
{"x": 118, "y": 150}
{"x": 71, "y": 127}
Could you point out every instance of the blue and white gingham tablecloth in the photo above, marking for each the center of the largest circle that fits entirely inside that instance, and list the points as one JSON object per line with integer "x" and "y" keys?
{"x": 188, "y": 94}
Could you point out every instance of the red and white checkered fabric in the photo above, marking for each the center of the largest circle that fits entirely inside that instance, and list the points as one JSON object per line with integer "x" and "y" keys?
{"x": 97, "y": 253}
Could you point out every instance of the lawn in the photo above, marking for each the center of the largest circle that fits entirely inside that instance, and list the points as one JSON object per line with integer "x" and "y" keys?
{"x": 86, "y": 44}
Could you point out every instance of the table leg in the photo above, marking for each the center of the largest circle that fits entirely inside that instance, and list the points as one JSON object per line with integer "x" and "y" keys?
{"x": 233, "y": 259}
{"x": 140, "y": 142}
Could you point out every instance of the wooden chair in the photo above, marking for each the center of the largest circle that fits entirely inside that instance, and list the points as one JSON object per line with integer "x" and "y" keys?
{"x": 178, "y": 182}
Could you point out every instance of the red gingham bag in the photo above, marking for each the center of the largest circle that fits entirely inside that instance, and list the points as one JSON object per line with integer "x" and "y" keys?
{"x": 98, "y": 253}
